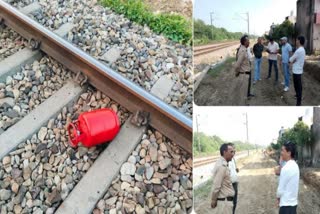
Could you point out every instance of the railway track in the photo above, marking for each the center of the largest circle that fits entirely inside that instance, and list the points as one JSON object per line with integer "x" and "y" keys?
{"x": 133, "y": 51}
{"x": 209, "y": 160}
{"x": 208, "y": 49}
{"x": 146, "y": 168}
{"x": 205, "y": 161}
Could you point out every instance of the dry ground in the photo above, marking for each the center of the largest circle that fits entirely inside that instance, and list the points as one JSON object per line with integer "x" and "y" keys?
{"x": 222, "y": 89}
{"x": 257, "y": 190}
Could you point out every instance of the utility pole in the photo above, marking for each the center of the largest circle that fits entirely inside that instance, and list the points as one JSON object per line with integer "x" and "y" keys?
{"x": 247, "y": 19}
{"x": 248, "y": 23}
{"x": 247, "y": 129}
{"x": 211, "y": 19}
{"x": 197, "y": 124}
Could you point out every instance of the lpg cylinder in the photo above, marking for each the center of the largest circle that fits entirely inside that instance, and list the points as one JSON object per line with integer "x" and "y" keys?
{"x": 93, "y": 128}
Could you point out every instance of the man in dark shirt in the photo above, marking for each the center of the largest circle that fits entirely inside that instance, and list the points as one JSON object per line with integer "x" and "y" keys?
{"x": 257, "y": 51}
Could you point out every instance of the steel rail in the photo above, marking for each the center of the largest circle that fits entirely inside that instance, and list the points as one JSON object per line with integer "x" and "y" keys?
{"x": 204, "y": 162}
{"x": 214, "y": 46}
{"x": 208, "y": 160}
{"x": 212, "y": 49}
{"x": 197, "y": 47}
{"x": 166, "y": 119}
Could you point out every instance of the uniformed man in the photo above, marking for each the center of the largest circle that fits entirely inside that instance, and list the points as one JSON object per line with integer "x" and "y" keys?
{"x": 242, "y": 67}
{"x": 234, "y": 177}
{"x": 222, "y": 191}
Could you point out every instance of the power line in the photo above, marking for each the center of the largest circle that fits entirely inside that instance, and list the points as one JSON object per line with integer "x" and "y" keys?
{"x": 247, "y": 19}
{"x": 211, "y": 20}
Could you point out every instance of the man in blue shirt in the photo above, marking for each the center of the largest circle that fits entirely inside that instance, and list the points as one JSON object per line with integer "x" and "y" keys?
{"x": 286, "y": 52}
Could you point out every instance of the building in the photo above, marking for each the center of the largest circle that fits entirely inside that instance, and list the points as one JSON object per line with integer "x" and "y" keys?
{"x": 281, "y": 132}
{"x": 316, "y": 136}
{"x": 291, "y": 18}
{"x": 308, "y": 24}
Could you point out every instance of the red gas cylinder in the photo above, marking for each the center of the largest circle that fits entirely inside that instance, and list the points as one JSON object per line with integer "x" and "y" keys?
{"x": 94, "y": 127}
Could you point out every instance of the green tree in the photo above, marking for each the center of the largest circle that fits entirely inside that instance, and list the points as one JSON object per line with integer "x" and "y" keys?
{"x": 286, "y": 28}
{"x": 300, "y": 134}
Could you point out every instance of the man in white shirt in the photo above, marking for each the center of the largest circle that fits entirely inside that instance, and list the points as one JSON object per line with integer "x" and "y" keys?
{"x": 234, "y": 177}
{"x": 288, "y": 188}
{"x": 273, "y": 50}
{"x": 297, "y": 61}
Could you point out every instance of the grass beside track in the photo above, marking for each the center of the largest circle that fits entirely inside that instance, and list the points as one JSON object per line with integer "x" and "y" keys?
{"x": 175, "y": 27}
{"x": 226, "y": 64}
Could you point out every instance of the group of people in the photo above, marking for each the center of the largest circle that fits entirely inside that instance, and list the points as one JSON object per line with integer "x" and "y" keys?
{"x": 224, "y": 194}
{"x": 288, "y": 59}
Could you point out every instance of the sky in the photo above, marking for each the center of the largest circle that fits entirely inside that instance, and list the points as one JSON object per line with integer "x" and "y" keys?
{"x": 264, "y": 123}
{"x": 262, "y": 13}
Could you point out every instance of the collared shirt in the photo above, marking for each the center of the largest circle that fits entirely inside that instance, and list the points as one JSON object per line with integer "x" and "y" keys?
{"x": 250, "y": 56}
{"x": 222, "y": 185}
{"x": 285, "y": 52}
{"x": 242, "y": 65}
{"x": 282, "y": 163}
{"x": 233, "y": 171}
{"x": 274, "y": 49}
{"x": 288, "y": 187}
{"x": 299, "y": 55}
{"x": 257, "y": 50}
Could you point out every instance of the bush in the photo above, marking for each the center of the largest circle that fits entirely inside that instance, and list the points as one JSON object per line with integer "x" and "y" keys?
{"x": 174, "y": 27}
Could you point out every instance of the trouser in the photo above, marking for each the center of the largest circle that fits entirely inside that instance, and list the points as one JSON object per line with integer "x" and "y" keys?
{"x": 286, "y": 74}
{"x": 249, "y": 83}
{"x": 274, "y": 63}
{"x": 224, "y": 207}
{"x": 257, "y": 68}
{"x": 297, "y": 81}
{"x": 240, "y": 89}
{"x": 288, "y": 210}
{"x": 235, "y": 199}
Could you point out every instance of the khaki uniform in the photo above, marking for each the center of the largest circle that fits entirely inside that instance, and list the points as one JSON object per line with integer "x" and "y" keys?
{"x": 243, "y": 64}
{"x": 240, "y": 88}
{"x": 222, "y": 187}
{"x": 243, "y": 81}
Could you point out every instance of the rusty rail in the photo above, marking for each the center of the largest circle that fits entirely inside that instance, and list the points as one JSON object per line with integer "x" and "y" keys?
{"x": 205, "y": 162}
{"x": 166, "y": 119}
{"x": 206, "y": 50}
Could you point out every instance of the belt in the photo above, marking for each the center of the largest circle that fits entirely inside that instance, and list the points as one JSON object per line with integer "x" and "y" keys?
{"x": 246, "y": 72}
{"x": 227, "y": 198}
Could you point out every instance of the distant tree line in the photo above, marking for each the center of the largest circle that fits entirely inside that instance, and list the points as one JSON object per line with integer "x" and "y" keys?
{"x": 204, "y": 34}
{"x": 210, "y": 145}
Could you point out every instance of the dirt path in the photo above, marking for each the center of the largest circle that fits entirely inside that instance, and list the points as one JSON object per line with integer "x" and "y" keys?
{"x": 220, "y": 90}
{"x": 257, "y": 190}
